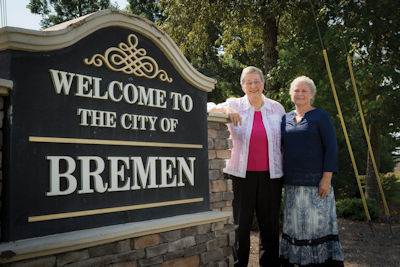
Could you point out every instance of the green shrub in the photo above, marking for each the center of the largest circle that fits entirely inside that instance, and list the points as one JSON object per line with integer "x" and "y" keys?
{"x": 390, "y": 184}
{"x": 388, "y": 181}
{"x": 391, "y": 187}
{"x": 352, "y": 208}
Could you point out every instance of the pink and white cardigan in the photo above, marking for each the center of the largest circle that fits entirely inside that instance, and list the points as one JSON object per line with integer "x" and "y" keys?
{"x": 272, "y": 113}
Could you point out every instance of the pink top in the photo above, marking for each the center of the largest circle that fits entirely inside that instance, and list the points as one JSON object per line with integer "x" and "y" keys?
{"x": 258, "y": 148}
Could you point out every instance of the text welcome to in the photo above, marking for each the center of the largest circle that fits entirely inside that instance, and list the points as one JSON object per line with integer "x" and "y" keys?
{"x": 125, "y": 173}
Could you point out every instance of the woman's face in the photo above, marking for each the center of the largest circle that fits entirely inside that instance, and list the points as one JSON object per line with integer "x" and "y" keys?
{"x": 252, "y": 85}
{"x": 301, "y": 94}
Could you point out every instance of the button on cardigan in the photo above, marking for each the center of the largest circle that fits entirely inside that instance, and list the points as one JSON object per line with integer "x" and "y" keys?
{"x": 272, "y": 113}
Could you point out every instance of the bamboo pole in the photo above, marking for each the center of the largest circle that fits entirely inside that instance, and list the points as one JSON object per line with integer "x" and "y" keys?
{"x": 328, "y": 68}
{"x": 371, "y": 153}
{"x": 343, "y": 123}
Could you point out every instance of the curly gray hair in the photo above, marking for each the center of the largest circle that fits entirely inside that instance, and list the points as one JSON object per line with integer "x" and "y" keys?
{"x": 308, "y": 81}
{"x": 251, "y": 70}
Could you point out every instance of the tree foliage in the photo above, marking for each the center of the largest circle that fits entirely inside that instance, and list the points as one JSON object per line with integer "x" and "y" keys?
{"x": 57, "y": 11}
{"x": 246, "y": 30}
{"x": 369, "y": 31}
{"x": 149, "y": 9}
{"x": 372, "y": 30}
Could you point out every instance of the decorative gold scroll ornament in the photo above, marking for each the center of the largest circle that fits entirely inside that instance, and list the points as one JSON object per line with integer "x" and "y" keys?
{"x": 128, "y": 59}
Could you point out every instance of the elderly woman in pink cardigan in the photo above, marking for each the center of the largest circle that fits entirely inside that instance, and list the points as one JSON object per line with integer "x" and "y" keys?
{"x": 255, "y": 166}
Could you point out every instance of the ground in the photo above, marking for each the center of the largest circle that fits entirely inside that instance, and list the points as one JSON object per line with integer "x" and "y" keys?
{"x": 360, "y": 247}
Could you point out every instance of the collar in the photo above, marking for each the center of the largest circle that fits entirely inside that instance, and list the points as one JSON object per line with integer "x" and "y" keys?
{"x": 247, "y": 105}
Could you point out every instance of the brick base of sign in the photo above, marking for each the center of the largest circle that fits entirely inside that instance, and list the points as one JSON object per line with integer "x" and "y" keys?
{"x": 194, "y": 246}
{"x": 205, "y": 244}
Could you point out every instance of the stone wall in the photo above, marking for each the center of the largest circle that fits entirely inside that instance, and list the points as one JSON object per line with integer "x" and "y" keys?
{"x": 202, "y": 244}
{"x": 221, "y": 194}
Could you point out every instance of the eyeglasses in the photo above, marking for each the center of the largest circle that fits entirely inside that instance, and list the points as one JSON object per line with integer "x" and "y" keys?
{"x": 251, "y": 83}
{"x": 301, "y": 91}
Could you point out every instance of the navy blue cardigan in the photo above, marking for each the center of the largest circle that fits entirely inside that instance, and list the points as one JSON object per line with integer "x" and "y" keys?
{"x": 309, "y": 147}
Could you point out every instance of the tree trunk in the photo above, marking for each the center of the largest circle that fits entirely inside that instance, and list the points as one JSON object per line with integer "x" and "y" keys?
{"x": 371, "y": 188}
{"x": 270, "y": 41}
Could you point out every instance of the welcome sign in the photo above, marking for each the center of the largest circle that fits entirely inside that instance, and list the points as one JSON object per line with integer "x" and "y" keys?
{"x": 103, "y": 131}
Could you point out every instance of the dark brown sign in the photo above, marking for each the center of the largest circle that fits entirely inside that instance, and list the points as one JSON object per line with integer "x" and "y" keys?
{"x": 105, "y": 131}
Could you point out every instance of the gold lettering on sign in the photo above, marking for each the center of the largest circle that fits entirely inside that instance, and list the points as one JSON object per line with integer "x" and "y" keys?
{"x": 127, "y": 58}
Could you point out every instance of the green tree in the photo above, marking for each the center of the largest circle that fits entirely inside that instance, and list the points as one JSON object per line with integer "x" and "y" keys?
{"x": 370, "y": 31}
{"x": 57, "y": 11}
{"x": 208, "y": 60}
{"x": 247, "y": 30}
{"x": 149, "y": 9}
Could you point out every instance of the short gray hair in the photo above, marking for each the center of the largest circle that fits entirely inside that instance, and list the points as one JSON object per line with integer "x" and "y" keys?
{"x": 251, "y": 70}
{"x": 308, "y": 81}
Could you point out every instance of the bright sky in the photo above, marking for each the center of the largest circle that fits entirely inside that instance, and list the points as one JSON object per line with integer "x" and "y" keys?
{"x": 18, "y": 15}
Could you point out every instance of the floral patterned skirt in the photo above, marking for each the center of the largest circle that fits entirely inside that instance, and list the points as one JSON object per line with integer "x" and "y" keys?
{"x": 310, "y": 230}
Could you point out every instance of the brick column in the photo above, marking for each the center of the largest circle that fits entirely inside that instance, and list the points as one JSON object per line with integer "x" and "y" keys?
{"x": 221, "y": 194}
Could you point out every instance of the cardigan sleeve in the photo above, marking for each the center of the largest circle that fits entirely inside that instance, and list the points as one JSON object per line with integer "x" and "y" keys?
{"x": 228, "y": 103}
{"x": 329, "y": 142}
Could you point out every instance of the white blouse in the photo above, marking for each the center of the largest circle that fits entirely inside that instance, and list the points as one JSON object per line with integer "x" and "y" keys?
{"x": 272, "y": 113}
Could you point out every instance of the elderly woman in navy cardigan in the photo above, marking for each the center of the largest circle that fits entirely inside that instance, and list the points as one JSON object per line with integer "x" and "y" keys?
{"x": 310, "y": 231}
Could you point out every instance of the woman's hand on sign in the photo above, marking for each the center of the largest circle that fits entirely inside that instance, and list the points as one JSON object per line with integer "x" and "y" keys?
{"x": 234, "y": 116}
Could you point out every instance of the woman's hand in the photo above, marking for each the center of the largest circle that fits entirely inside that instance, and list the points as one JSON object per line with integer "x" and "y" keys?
{"x": 234, "y": 116}
{"x": 325, "y": 184}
